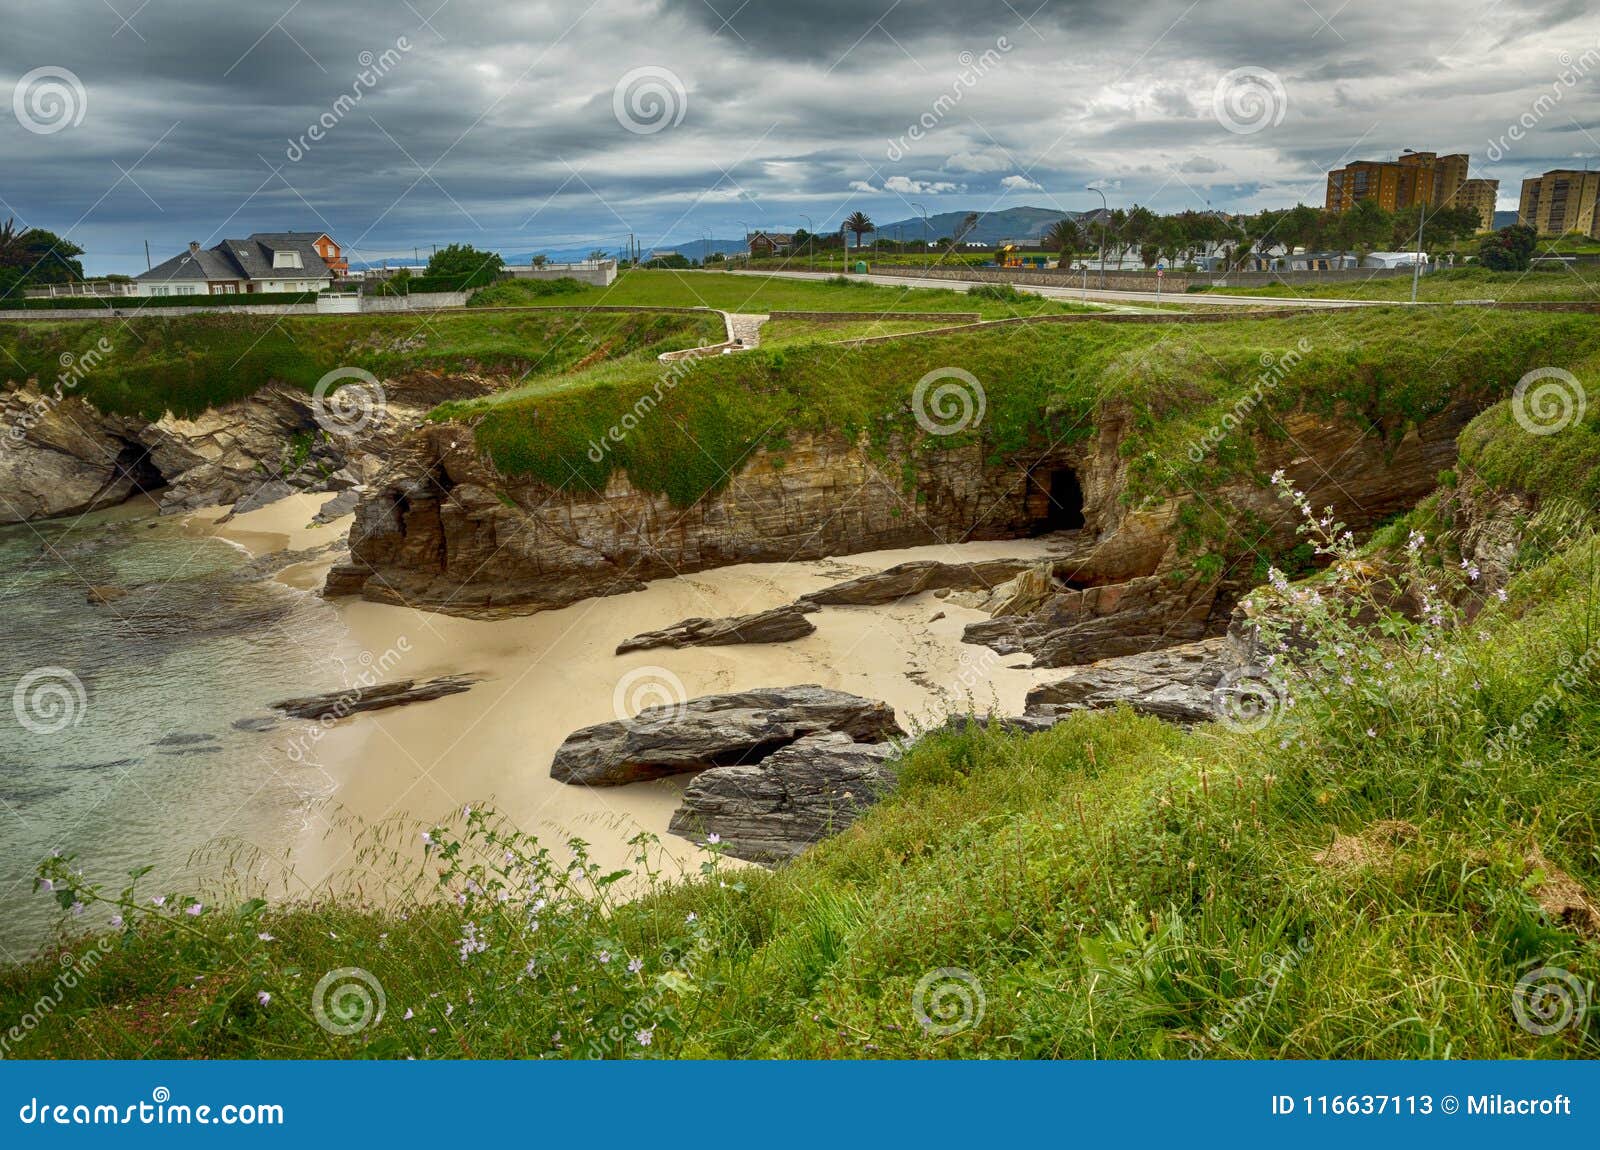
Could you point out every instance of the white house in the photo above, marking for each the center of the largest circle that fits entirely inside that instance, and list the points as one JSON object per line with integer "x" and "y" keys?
{"x": 1394, "y": 260}
{"x": 265, "y": 262}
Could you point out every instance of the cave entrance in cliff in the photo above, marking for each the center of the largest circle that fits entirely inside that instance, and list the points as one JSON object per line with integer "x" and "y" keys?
{"x": 1066, "y": 501}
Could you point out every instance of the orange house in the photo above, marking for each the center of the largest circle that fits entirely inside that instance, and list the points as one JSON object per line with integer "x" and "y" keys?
{"x": 329, "y": 251}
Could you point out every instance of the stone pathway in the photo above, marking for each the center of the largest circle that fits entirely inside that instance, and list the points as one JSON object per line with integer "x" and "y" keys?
{"x": 746, "y": 327}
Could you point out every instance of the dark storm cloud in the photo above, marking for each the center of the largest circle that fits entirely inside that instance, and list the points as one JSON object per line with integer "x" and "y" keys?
{"x": 497, "y": 124}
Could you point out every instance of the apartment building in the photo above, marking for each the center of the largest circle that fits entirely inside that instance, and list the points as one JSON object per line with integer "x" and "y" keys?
{"x": 1413, "y": 178}
{"x": 1561, "y": 202}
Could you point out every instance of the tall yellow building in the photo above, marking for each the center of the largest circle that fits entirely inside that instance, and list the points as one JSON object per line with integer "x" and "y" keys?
{"x": 1480, "y": 196}
{"x": 1414, "y": 178}
{"x": 1562, "y": 202}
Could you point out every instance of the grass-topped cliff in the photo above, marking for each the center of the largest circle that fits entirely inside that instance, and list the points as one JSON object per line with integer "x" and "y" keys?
{"x": 1041, "y": 383}
{"x": 1368, "y": 875}
{"x": 185, "y": 364}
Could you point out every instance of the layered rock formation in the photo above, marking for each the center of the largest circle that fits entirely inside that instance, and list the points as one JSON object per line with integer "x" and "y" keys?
{"x": 64, "y": 457}
{"x": 778, "y": 625}
{"x": 715, "y": 731}
{"x": 771, "y": 811}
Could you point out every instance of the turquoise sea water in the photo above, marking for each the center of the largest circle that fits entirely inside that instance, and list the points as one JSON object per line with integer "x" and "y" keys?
{"x": 117, "y": 736}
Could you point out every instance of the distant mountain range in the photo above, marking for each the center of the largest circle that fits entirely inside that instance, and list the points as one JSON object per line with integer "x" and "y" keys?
{"x": 993, "y": 227}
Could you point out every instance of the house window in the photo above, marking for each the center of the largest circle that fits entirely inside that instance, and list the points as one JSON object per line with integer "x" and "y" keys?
{"x": 289, "y": 259}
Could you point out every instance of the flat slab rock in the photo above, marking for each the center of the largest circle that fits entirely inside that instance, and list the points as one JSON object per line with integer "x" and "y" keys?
{"x": 1178, "y": 684}
{"x": 338, "y": 704}
{"x": 778, "y": 625}
{"x": 917, "y": 576}
{"x": 771, "y": 811}
{"x": 716, "y": 731}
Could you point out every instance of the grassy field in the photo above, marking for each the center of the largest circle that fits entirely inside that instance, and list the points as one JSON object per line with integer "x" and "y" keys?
{"x": 1040, "y": 383}
{"x": 643, "y": 287}
{"x": 1450, "y": 285}
{"x": 185, "y": 364}
{"x": 1367, "y": 875}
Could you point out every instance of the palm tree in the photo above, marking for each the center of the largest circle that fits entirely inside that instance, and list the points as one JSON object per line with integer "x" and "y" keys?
{"x": 1063, "y": 238}
{"x": 858, "y": 223}
{"x": 11, "y": 243}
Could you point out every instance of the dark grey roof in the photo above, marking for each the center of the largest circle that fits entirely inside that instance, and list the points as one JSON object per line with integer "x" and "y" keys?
{"x": 247, "y": 259}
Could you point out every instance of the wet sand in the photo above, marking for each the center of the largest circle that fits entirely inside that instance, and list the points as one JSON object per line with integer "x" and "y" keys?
{"x": 548, "y": 674}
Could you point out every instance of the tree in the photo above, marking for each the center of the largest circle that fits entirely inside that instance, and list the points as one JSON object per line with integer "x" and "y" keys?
{"x": 859, "y": 224}
{"x": 1063, "y": 238}
{"x": 465, "y": 266}
{"x": 38, "y": 256}
{"x": 539, "y": 260}
{"x": 966, "y": 226}
{"x": 1509, "y": 249}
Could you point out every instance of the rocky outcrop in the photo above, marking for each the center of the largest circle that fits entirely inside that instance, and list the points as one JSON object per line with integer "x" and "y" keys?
{"x": 338, "y": 704}
{"x": 771, "y": 811}
{"x": 913, "y": 578}
{"x": 778, "y": 625}
{"x": 63, "y": 456}
{"x": 1178, "y": 684}
{"x": 444, "y": 531}
{"x": 716, "y": 731}
{"x": 1079, "y": 626}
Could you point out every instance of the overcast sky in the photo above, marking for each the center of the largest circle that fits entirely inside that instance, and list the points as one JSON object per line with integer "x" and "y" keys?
{"x": 540, "y": 125}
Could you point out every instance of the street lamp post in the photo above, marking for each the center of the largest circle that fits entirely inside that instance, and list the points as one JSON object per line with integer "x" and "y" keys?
{"x": 1104, "y": 222}
{"x": 924, "y": 213}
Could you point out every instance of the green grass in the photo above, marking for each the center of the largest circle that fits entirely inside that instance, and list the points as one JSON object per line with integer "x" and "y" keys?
{"x": 186, "y": 364}
{"x": 1042, "y": 383}
{"x": 651, "y": 288}
{"x": 1450, "y": 285}
{"x": 1116, "y": 887}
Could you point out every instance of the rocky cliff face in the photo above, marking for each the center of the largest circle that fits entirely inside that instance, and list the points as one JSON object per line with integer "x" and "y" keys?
{"x": 442, "y": 530}
{"x": 64, "y": 457}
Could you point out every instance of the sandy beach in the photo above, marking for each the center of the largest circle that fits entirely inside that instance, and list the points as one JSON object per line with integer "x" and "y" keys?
{"x": 548, "y": 674}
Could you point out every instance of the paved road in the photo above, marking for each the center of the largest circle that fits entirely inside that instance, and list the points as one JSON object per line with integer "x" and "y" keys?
{"x": 1092, "y": 295}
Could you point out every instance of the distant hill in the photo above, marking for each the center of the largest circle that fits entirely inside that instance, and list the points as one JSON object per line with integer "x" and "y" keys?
{"x": 1504, "y": 219}
{"x": 1010, "y": 224}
